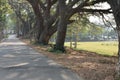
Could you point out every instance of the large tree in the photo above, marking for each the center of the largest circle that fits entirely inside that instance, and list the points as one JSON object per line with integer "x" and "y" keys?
{"x": 115, "y": 5}
{"x": 54, "y": 15}
{"x": 46, "y": 20}
{"x": 66, "y": 10}
{"x": 62, "y": 25}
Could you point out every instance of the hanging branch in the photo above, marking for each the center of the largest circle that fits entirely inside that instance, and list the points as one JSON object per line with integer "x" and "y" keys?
{"x": 106, "y": 22}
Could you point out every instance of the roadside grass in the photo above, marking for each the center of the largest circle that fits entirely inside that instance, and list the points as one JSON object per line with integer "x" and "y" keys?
{"x": 108, "y": 48}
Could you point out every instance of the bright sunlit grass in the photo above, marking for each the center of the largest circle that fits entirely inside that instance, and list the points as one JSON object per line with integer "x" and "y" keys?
{"x": 104, "y": 48}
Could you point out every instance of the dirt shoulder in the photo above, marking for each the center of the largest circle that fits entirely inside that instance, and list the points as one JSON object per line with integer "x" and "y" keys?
{"x": 88, "y": 65}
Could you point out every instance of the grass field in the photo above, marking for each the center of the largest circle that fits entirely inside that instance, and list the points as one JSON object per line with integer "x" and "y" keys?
{"x": 105, "y": 48}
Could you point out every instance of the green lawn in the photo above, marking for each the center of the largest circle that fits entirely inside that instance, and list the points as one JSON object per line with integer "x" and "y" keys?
{"x": 104, "y": 48}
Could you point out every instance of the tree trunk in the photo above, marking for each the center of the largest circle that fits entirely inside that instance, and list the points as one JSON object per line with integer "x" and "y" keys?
{"x": 46, "y": 35}
{"x": 44, "y": 38}
{"x": 62, "y": 27}
{"x": 76, "y": 39}
{"x": 71, "y": 38}
{"x": 39, "y": 30}
{"x": 115, "y": 5}
{"x": 18, "y": 28}
{"x": 25, "y": 29}
{"x": 39, "y": 18}
{"x": 117, "y": 75}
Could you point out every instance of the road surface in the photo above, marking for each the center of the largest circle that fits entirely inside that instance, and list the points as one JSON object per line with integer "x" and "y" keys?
{"x": 20, "y": 62}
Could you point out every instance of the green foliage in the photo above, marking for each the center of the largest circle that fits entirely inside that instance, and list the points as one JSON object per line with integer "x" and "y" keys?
{"x": 5, "y": 9}
{"x": 95, "y": 29}
{"x": 22, "y": 9}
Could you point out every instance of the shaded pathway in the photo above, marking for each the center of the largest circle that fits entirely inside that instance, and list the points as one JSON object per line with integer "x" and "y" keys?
{"x": 20, "y": 62}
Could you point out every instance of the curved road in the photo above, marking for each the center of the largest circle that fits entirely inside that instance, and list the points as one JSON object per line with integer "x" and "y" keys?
{"x": 20, "y": 62}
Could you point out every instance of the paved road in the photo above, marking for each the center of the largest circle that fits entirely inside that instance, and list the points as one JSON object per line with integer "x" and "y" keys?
{"x": 20, "y": 62}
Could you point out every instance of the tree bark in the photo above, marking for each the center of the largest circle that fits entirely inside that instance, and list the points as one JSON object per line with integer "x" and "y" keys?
{"x": 39, "y": 18}
{"x": 62, "y": 27}
{"x": 117, "y": 75}
{"x": 18, "y": 30}
{"x": 115, "y": 5}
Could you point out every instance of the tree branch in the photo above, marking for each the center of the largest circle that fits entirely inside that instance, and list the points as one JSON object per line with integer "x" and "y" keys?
{"x": 95, "y": 2}
{"x": 72, "y": 3}
{"x": 106, "y": 11}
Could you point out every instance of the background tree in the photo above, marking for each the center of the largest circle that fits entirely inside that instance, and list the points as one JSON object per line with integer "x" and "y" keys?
{"x": 24, "y": 16}
{"x": 83, "y": 30}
